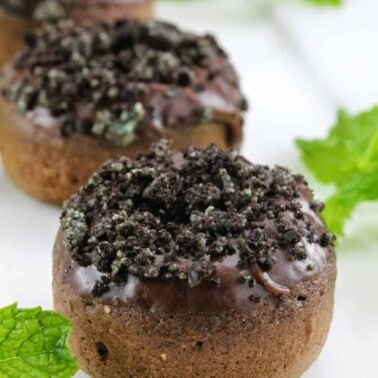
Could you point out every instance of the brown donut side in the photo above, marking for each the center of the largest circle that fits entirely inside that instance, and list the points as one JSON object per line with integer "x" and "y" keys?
{"x": 12, "y": 29}
{"x": 276, "y": 338}
{"x": 51, "y": 168}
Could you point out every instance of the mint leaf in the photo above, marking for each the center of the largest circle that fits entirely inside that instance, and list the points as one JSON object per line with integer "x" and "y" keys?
{"x": 325, "y": 2}
{"x": 33, "y": 343}
{"x": 351, "y": 148}
{"x": 340, "y": 206}
{"x": 347, "y": 158}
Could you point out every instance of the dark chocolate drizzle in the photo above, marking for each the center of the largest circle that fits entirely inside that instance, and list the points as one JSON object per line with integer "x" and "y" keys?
{"x": 125, "y": 81}
{"x": 196, "y": 218}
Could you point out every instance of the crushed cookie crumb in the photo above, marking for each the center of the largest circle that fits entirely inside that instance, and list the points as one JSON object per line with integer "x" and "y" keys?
{"x": 255, "y": 298}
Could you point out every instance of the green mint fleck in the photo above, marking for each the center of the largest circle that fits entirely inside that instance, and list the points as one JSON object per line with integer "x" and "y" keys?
{"x": 347, "y": 158}
{"x": 33, "y": 343}
{"x": 48, "y": 10}
{"x": 119, "y": 130}
{"x": 122, "y": 131}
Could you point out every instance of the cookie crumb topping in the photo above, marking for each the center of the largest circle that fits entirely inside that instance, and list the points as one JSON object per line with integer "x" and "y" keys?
{"x": 173, "y": 216}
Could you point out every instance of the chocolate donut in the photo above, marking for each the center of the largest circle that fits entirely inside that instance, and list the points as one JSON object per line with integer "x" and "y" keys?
{"x": 78, "y": 95}
{"x": 20, "y": 16}
{"x": 191, "y": 264}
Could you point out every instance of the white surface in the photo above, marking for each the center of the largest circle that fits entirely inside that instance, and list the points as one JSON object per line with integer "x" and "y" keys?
{"x": 298, "y": 65}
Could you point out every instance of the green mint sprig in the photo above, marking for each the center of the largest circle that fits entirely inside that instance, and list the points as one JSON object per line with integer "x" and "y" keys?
{"x": 347, "y": 158}
{"x": 33, "y": 343}
{"x": 325, "y": 2}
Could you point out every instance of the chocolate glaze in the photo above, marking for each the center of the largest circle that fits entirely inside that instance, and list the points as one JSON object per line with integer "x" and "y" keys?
{"x": 166, "y": 297}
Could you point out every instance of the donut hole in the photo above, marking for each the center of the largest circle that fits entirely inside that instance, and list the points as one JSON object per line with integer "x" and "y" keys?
{"x": 302, "y": 298}
{"x": 102, "y": 351}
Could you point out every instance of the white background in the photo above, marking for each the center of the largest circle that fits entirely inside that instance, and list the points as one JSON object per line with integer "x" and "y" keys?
{"x": 298, "y": 66}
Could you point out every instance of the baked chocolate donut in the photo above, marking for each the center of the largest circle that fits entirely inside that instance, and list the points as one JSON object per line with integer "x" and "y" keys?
{"x": 194, "y": 264}
{"x": 77, "y": 95}
{"x": 20, "y": 16}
